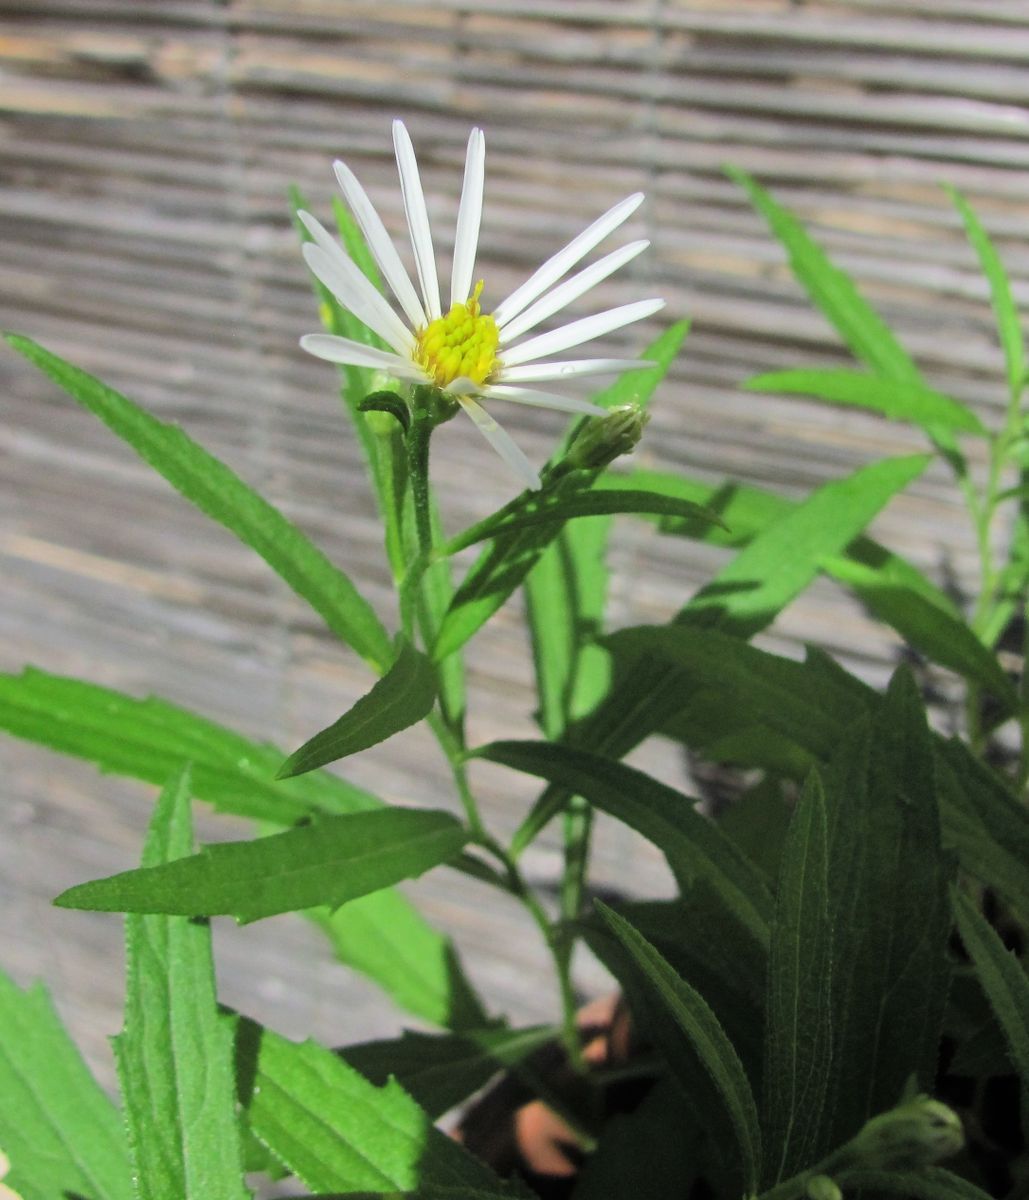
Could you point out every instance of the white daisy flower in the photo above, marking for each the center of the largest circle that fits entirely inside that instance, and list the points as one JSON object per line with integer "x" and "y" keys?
{"x": 471, "y": 355}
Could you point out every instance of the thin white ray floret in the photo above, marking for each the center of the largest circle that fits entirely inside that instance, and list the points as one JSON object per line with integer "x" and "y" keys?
{"x": 381, "y": 245}
{"x": 353, "y": 290}
{"x": 469, "y": 217}
{"x": 501, "y": 442}
{"x": 356, "y": 354}
{"x": 541, "y": 372}
{"x": 584, "y": 330}
{"x": 417, "y": 219}
{"x": 538, "y": 399}
{"x": 565, "y": 259}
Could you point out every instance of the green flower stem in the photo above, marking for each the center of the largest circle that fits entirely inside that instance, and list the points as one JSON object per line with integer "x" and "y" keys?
{"x": 418, "y": 470}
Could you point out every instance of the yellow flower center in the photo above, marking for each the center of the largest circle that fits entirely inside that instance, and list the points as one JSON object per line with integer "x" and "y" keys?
{"x": 460, "y": 344}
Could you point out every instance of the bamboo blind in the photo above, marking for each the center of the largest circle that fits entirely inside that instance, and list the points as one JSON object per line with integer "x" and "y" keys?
{"x": 146, "y": 149}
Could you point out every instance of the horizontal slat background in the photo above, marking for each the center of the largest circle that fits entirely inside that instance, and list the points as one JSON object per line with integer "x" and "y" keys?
{"x": 146, "y": 149}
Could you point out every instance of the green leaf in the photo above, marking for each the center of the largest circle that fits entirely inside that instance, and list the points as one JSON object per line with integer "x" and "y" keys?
{"x": 402, "y": 697}
{"x": 695, "y": 848}
{"x": 221, "y": 494}
{"x": 61, "y": 1133}
{"x": 145, "y": 738}
{"x": 944, "y": 639}
{"x": 506, "y": 561}
{"x": 928, "y": 1183}
{"x": 383, "y": 936}
{"x": 798, "y": 1012}
{"x": 757, "y": 820}
{"x": 175, "y": 1054}
{"x": 748, "y": 593}
{"x": 441, "y": 1071}
{"x": 1008, "y": 323}
{"x": 339, "y": 1133}
{"x": 150, "y": 739}
{"x": 330, "y": 861}
{"x": 1002, "y": 977}
{"x": 900, "y": 400}
{"x": 888, "y": 880}
{"x": 563, "y": 508}
{"x": 698, "y": 1023}
{"x": 860, "y": 326}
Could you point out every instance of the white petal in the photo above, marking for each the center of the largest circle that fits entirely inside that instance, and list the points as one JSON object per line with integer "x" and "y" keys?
{"x": 580, "y": 331}
{"x": 355, "y": 354}
{"x": 565, "y": 259}
{"x": 381, "y": 245}
{"x": 570, "y": 290}
{"x": 417, "y": 219}
{"x": 520, "y": 395}
{"x": 469, "y": 216}
{"x": 538, "y": 372}
{"x": 501, "y": 442}
{"x": 355, "y": 292}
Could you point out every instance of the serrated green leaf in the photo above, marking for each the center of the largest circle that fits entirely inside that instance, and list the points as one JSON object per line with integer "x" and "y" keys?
{"x": 61, "y": 1133}
{"x": 750, "y": 591}
{"x": 221, "y": 494}
{"x": 339, "y": 1133}
{"x": 383, "y": 936}
{"x": 331, "y": 861}
{"x": 695, "y": 848}
{"x": 1009, "y": 325}
{"x": 402, "y": 697}
{"x": 798, "y": 1011}
{"x": 900, "y": 400}
{"x": 145, "y": 738}
{"x": 150, "y": 739}
{"x": 440, "y": 1071}
{"x": 860, "y": 326}
{"x": 1002, "y": 977}
{"x": 698, "y": 1023}
{"x": 175, "y": 1054}
{"x": 888, "y": 880}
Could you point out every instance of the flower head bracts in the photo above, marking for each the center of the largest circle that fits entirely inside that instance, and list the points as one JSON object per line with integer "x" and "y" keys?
{"x": 470, "y": 355}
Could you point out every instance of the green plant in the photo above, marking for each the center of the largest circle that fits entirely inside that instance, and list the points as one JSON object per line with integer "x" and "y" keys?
{"x": 847, "y": 939}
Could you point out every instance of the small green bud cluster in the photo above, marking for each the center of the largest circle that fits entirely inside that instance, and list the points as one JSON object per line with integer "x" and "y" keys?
{"x": 603, "y": 439}
{"x": 916, "y": 1134}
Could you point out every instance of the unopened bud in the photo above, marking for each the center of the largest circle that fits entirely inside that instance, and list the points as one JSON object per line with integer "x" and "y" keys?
{"x": 603, "y": 439}
{"x": 821, "y": 1187}
{"x": 916, "y": 1134}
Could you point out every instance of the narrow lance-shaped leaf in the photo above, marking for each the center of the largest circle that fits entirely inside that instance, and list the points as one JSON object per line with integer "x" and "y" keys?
{"x": 175, "y": 1053}
{"x": 699, "y": 1024}
{"x": 217, "y": 491}
{"x": 328, "y": 862}
{"x": 900, "y": 400}
{"x": 798, "y": 1011}
{"x": 403, "y": 696}
{"x": 61, "y": 1133}
{"x": 381, "y": 935}
{"x": 1002, "y": 977}
{"x": 1009, "y": 325}
{"x": 694, "y": 846}
{"x": 339, "y": 1133}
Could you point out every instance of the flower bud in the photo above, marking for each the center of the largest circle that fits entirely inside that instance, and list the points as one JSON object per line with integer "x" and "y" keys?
{"x": 915, "y": 1134}
{"x": 603, "y": 439}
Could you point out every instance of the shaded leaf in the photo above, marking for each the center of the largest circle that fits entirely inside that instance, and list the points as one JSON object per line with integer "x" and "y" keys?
{"x": 695, "y": 848}
{"x": 440, "y": 1071}
{"x": 339, "y": 1133}
{"x": 695, "y": 1020}
{"x": 402, "y": 697}
{"x": 175, "y": 1054}
{"x": 798, "y": 1012}
{"x": 929, "y": 1183}
{"x": 331, "y": 861}
{"x": 221, "y": 494}
{"x": 61, "y": 1133}
{"x": 900, "y": 400}
{"x": 1002, "y": 977}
